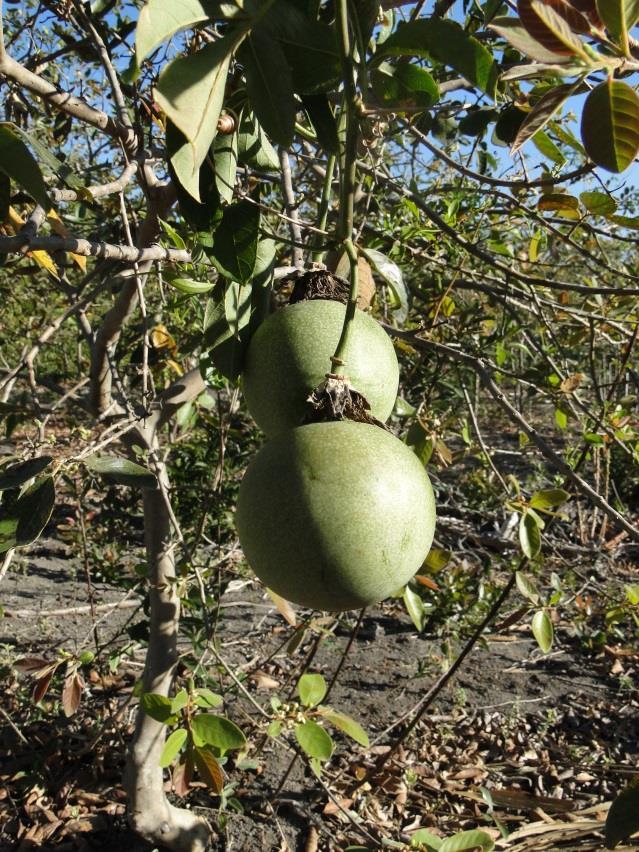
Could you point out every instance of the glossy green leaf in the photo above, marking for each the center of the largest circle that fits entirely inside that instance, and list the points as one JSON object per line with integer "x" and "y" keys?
{"x": 225, "y": 158}
{"x": 190, "y": 91}
{"x": 253, "y": 146}
{"x": 217, "y": 731}
{"x": 158, "y": 707}
{"x": 270, "y": 85}
{"x": 314, "y": 740}
{"x": 345, "y": 724}
{"x": 18, "y": 163}
{"x": 623, "y": 816}
{"x": 415, "y": 608}
{"x": 404, "y": 86}
{"x": 173, "y": 746}
{"x": 549, "y": 498}
{"x": 468, "y": 840}
{"x": 610, "y": 125}
{"x": 445, "y": 41}
{"x": 424, "y": 838}
{"x": 529, "y": 535}
{"x": 312, "y": 689}
{"x": 180, "y": 700}
{"x": 235, "y": 242}
{"x": 160, "y": 19}
{"x": 598, "y": 203}
{"x": 207, "y": 699}
{"x": 619, "y": 16}
{"x": 15, "y": 475}
{"x": 121, "y": 471}
{"x": 527, "y": 586}
{"x": 33, "y": 510}
{"x": 320, "y": 114}
{"x": 543, "y": 630}
{"x": 190, "y": 287}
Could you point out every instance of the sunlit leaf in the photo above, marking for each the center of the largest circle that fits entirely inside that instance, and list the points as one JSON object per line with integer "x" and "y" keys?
{"x": 598, "y": 203}
{"x": 610, "y": 125}
{"x": 529, "y": 535}
{"x": 404, "y": 85}
{"x": 549, "y": 498}
{"x": 619, "y": 17}
{"x": 173, "y": 746}
{"x": 160, "y": 19}
{"x": 314, "y": 740}
{"x": 518, "y": 36}
{"x": 121, "y": 471}
{"x": 209, "y": 729}
{"x": 468, "y": 840}
{"x": 158, "y": 707}
{"x": 312, "y": 689}
{"x": 345, "y": 724}
{"x": 415, "y": 608}
{"x": 527, "y": 587}
{"x": 543, "y": 630}
{"x": 209, "y": 768}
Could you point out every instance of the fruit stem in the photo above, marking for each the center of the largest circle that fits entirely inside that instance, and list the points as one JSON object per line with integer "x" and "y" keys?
{"x": 325, "y": 202}
{"x": 348, "y": 175}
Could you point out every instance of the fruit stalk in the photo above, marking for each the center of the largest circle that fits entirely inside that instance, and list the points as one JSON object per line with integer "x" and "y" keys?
{"x": 348, "y": 174}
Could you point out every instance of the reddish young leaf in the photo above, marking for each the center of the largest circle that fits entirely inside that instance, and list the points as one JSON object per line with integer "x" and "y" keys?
{"x": 31, "y": 664}
{"x": 182, "y": 774}
{"x": 548, "y": 36}
{"x": 72, "y": 693}
{"x": 209, "y": 769}
{"x": 41, "y": 685}
{"x": 426, "y": 581}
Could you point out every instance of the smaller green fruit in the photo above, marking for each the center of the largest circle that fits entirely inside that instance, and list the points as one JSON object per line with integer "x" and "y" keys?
{"x": 290, "y": 354}
{"x": 335, "y": 516}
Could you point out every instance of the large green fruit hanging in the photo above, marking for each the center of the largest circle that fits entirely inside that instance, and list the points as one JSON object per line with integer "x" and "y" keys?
{"x": 335, "y": 516}
{"x": 290, "y": 353}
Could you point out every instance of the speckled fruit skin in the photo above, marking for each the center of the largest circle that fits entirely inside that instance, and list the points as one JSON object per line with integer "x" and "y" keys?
{"x": 335, "y": 516}
{"x": 290, "y": 353}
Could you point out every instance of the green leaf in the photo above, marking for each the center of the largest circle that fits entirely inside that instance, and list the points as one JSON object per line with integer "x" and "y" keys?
{"x": 253, "y": 146}
{"x": 320, "y": 114}
{"x": 527, "y": 587}
{"x": 217, "y": 731}
{"x": 547, "y": 148}
{"x": 529, "y": 535}
{"x": 206, "y": 698}
{"x": 415, "y": 608}
{"x": 190, "y": 91}
{"x": 60, "y": 169}
{"x": 173, "y": 746}
{"x": 610, "y": 125}
{"x": 314, "y": 740}
{"x": 310, "y": 47}
{"x": 18, "y": 163}
{"x": 548, "y": 498}
{"x": 466, "y": 840}
{"x": 312, "y": 689}
{"x": 270, "y": 85}
{"x": 205, "y": 213}
{"x": 404, "y": 86}
{"x": 437, "y": 559}
{"x": 542, "y": 630}
{"x": 541, "y": 114}
{"x": 518, "y": 36}
{"x": 598, "y": 203}
{"x": 121, "y": 471}
{"x": 448, "y": 43}
{"x": 235, "y": 242}
{"x": 275, "y": 728}
{"x": 423, "y": 837}
{"x": 33, "y": 510}
{"x": 560, "y": 203}
{"x": 190, "y": 287}
{"x": 393, "y": 277}
{"x": 15, "y": 475}
{"x": 180, "y": 700}
{"x": 158, "y": 707}
{"x": 225, "y": 157}
{"x": 8, "y": 528}
{"x": 623, "y": 816}
{"x": 619, "y": 16}
{"x": 237, "y": 307}
{"x": 160, "y": 19}
{"x": 345, "y": 724}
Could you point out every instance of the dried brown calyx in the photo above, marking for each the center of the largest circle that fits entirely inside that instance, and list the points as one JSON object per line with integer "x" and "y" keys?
{"x": 335, "y": 399}
{"x": 320, "y": 284}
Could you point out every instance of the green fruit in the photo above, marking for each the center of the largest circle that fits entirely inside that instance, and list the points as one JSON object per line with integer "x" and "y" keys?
{"x": 290, "y": 354}
{"x": 335, "y": 516}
